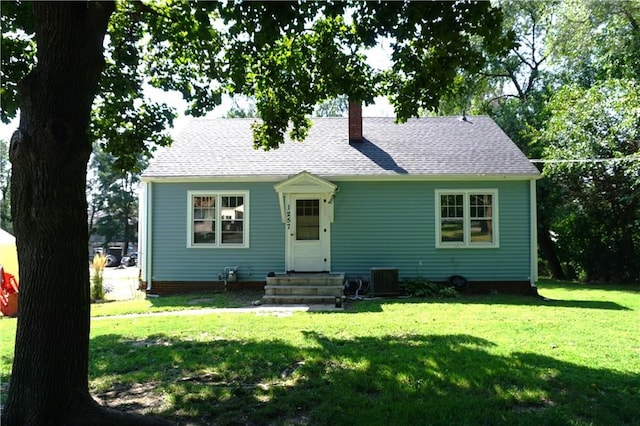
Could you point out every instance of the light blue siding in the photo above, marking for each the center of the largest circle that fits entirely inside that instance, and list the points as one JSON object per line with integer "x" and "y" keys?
{"x": 173, "y": 261}
{"x": 387, "y": 224}
{"x": 376, "y": 224}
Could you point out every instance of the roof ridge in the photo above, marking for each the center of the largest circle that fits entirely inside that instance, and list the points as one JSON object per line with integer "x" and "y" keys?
{"x": 437, "y": 117}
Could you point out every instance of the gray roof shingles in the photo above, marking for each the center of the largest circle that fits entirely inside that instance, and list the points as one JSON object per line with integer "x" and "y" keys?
{"x": 434, "y": 146}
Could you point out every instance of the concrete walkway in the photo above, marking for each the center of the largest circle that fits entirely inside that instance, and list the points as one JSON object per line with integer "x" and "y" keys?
{"x": 275, "y": 310}
{"x": 121, "y": 283}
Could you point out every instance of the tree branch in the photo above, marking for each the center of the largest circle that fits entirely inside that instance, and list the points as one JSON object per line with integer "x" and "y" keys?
{"x": 522, "y": 58}
{"x": 632, "y": 21}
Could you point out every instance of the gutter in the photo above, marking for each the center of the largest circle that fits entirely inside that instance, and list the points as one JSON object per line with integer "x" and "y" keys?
{"x": 144, "y": 233}
{"x": 354, "y": 178}
{"x": 534, "y": 232}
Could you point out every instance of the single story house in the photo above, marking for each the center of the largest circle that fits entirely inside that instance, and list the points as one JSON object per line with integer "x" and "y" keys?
{"x": 434, "y": 197}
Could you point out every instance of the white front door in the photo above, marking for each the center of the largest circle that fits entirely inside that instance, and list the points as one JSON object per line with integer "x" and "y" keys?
{"x": 308, "y": 236}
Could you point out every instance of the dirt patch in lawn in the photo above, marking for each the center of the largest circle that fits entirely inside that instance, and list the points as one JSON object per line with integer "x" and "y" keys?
{"x": 237, "y": 299}
{"x": 140, "y": 398}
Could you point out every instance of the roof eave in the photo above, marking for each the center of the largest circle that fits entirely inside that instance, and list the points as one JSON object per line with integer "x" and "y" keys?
{"x": 340, "y": 177}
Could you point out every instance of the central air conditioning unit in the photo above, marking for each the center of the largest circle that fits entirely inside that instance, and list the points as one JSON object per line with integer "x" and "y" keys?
{"x": 384, "y": 282}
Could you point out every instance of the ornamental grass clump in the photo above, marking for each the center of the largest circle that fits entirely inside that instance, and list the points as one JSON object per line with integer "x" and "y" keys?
{"x": 97, "y": 279}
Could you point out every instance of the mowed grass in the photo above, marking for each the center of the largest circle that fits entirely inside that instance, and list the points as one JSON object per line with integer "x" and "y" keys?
{"x": 142, "y": 305}
{"x": 496, "y": 359}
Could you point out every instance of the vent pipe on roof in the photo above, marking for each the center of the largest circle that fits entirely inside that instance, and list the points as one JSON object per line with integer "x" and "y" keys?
{"x": 355, "y": 121}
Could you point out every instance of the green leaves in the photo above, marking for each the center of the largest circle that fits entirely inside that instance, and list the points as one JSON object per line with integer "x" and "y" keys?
{"x": 600, "y": 122}
{"x": 322, "y": 57}
{"x": 599, "y": 215}
{"x": 181, "y": 49}
{"x": 598, "y": 40}
{"x": 18, "y": 53}
{"x": 127, "y": 124}
{"x": 435, "y": 41}
{"x": 296, "y": 72}
{"x": 289, "y": 56}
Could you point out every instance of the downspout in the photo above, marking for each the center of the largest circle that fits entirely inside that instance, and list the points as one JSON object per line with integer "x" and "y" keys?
{"x": 534, "y": 233}
{"x": 144, "y": 233}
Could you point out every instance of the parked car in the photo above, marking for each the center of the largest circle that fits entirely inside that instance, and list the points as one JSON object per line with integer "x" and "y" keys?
{"x": 112, "y": 261}
{"x": 114, "y": 255}
{"x": 130, "y": 259}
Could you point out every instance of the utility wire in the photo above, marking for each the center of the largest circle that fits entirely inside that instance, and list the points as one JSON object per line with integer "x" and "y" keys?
{"x": 588, "y": 160}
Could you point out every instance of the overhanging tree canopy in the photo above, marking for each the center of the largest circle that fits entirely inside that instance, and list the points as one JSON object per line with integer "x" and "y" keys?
{"x": 289, "y": 56}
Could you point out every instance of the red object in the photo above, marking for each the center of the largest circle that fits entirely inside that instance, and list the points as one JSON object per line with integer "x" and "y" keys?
{"x": 9, "y": 289}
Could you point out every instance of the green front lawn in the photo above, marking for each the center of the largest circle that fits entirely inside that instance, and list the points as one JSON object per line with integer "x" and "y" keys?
{"x": 495, "y": 359}
{"x": 142, "y": 305}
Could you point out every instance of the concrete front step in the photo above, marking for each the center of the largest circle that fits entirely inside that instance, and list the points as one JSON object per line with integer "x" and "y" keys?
{"x": 298, "y": 300}
{"x": 306, "y": 290}
{"x": 303, "y": 288}
{"x": 306, "y": 280}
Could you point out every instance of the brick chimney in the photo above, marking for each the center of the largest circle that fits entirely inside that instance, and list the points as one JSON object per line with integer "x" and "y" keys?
{"x": 355, "y": 122}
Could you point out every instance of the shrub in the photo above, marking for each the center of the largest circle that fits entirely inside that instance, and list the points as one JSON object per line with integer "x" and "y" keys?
{"x": 448, "y": 292}
{"x": 420, "y": 287}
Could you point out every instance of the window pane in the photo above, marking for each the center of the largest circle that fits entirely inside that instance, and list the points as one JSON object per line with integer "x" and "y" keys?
{"x": 232, "y": 215}
{"x": 232, "y": 232}
{"x": 481, "y": 218}
{"x": 480, "y": 205}
{"x": 451, "y": 206}
{"x": 451, "y": 218}
{"x": 204, "y": 231}
{"x": 482, "y": 231}
{"x": 451, "y": 230}
{"x": 204, "y": 224}
{"x": 307, "y": 219}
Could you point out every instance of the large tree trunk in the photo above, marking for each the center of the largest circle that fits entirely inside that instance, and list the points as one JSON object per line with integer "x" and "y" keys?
{"x": 548, "y": 251}
{"x": 545, "y": 243}
{"x": 49, "y": 152}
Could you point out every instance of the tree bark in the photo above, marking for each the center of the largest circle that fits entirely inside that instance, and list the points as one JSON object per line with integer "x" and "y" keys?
{"x": 49, "y": 152}
{"x": 548, "y": 250}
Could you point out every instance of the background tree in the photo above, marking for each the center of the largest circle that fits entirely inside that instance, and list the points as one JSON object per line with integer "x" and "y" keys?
{"x": 336, "y": 107}
{"x": 522, "y": 86}
{"x": 290, "y": 56}
{"x": 594, "y": 117}
{"x": 597, "y": 40}
{"x": 5, "y": 188}
{"x": 548, "y": 94}
{"x": 598, "y": 210}
{"x": 114, "y": 199}
{"x": 246, "y": 110}
{"x": 514, "y": 89}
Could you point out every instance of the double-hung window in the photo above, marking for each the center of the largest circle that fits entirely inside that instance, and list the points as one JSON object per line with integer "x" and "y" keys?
{"x": 218, "y": 219}
{"x": 467, "y": 218}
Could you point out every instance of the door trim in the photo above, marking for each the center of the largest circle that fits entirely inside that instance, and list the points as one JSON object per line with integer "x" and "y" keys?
{"x": 305, "y": 185}
{"x": 299, "y": 250}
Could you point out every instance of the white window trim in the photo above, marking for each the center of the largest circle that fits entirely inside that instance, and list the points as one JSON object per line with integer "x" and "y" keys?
{"x": 217, "y": 194}
{"x": 466, "y": 243}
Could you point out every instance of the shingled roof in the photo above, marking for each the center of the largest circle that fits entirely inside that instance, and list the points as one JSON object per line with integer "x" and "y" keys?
{"x": 430, "y": 147}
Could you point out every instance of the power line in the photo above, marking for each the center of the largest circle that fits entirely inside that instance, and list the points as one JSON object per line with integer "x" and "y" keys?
{"x": 587, "y": 160}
